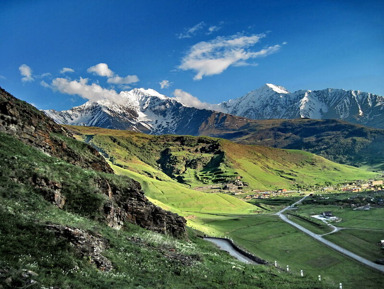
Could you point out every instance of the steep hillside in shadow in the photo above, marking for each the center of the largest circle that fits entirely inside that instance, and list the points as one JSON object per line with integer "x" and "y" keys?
{"x": 335, "y": 140}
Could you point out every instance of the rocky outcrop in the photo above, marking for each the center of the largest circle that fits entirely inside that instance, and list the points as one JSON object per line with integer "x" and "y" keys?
{"x": 86, "y": 244}
{"x": 128, "y": 203}
{"x": 33, "y": 127}
{"x": 125, "y": 200}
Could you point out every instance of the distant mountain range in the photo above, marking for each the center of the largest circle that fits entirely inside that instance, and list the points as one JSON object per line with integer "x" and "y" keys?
{"x": 275, "y": 102}
{"x": 148, "y": 111}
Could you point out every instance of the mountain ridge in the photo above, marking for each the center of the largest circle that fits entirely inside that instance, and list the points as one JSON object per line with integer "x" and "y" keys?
{"x": 276, "y": 102}
{"x": 148, "y": 111}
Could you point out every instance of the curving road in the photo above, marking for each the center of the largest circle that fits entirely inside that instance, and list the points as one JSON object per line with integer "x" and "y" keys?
{"x": 326, "y": 242}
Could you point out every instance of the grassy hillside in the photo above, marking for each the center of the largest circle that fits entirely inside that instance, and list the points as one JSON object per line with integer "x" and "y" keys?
{"x": 43, "y": 245}
{"x": 201, "y": 161}
{"x": 177, "y": 188}
{"x": 335, "y": 140}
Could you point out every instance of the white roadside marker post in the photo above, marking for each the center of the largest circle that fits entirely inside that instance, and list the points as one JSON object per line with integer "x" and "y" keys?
{"x": 301, "y": 273}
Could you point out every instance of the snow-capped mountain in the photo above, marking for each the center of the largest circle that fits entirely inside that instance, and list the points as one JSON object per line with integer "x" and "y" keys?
{"x": 275, "y": 102}
{"x": 143, "y": 110}
{"x": 148, "y": 111}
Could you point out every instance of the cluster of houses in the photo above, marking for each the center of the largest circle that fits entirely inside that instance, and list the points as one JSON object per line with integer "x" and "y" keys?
{"x": 237, "y": 186}
{"x": 371, "y": 185}
{"x": 268, "y": 194}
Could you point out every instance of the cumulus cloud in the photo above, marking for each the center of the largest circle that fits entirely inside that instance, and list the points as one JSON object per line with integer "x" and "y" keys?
{"x": 101, "y": 69}
{"x": 81, "y": 87}
{"x": 215, "y": 56}
{"x": 123, "y": 80}
{"x": 66, "y": 69}
{"x": 26, "y": 72}
{"x": 189, "y": 32}
{"x": 165, "y": 84}
{"x": 189, "y": 100}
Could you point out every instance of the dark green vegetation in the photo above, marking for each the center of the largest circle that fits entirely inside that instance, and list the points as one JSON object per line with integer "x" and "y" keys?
{"x": 220, "y": 215}
{"x": 35, "y": 252}
{"x": 335, "y": 140}
{"x": 198, "y": 161}
{"x": 67, "y": 223}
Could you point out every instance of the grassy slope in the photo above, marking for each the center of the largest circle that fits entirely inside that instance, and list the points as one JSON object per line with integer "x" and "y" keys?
{"x": 191, "y": 204}
{"x": 265, "y": 236}
{"x": 141, "y": 259}
{"x": 336, "y": 140}
{"x": 263, "y": 168}
{"x": 275, "y": 168}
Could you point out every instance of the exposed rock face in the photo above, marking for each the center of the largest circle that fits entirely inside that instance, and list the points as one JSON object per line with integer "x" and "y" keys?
{"x": 33, "y": 127}
{"x": 85, "y": 244}
{"x": 128, "y": 203}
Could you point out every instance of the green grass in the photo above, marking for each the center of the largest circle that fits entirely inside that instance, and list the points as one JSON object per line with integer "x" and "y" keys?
{"x": 271, "y": 239}
{"x": 140, "y": 258}
{"x": 187, "y": 201}
{"x": 362, "y": 242}
{"x": 198, "y": 161}
{"x": 312, "y": 224}
{"x": 264, "y": 235}
{"x": 352, "y": 219}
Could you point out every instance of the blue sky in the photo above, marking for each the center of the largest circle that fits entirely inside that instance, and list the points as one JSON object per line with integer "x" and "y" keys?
{"x": 58, "y": 54}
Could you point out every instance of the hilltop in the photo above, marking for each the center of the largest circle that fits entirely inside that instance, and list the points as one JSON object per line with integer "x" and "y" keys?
{"x": 198, "y": 161}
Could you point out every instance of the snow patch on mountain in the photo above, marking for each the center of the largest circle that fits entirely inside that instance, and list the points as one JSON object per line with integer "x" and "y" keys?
{"x": 276, "y": 102}
{"x": 148, "y": 111}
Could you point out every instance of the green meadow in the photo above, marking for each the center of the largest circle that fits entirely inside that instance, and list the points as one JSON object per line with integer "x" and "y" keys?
{"x": 273, "y": 240}
{"x": 250, "y": 225}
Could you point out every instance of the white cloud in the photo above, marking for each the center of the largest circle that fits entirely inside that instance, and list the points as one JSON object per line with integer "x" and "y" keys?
{"x": 101, "y": 69}
{"x": 123, "y": 80}
{"x": 46, "y": 74}
{"x": 66, "y": 69}
{"x": 214, "y": 28}
{"x": 189, "y": 32}
{"x": 81, "y": 87}
{"x": 44, "y": 84}
{"x": 26, "y": 72}
{"x": 215, "y": 56}
{"x": 165, "y": 84}
{"x": 189, "y": 100}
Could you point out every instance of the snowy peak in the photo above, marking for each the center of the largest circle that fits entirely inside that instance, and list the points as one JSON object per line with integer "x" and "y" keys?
{"x": 148, "y": 111}
{"x": 276, "y": 102}
{"x": 277, "y": 89}
{"x": 139, "y": 109}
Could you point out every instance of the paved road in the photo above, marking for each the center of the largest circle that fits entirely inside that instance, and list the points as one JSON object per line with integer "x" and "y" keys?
{"x": 326, "y": 242}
